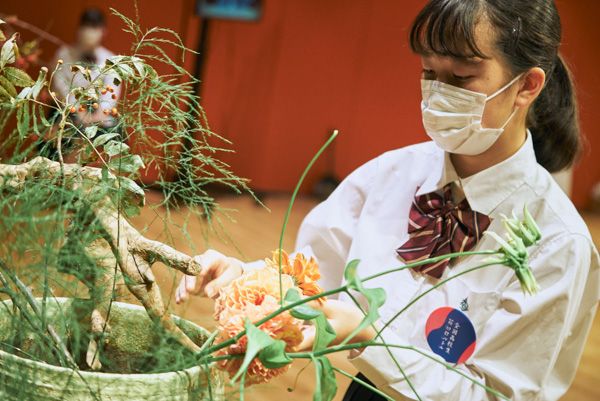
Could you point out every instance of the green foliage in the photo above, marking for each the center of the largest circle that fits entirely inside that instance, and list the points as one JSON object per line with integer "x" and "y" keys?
{"x": 325, "y": 384}
{"x": 374, "y": 296}
{"x": 273, "y": 356}
{"x": 50, "y": 219}
{"x": 257, "y": 341}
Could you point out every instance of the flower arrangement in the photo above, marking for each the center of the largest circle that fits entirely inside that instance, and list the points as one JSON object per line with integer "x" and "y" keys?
{"x": 256, "y": 295}
{"x": 260, "y": 315}
{"x": 73, "y": 218}
{"x": 66, "y": 218}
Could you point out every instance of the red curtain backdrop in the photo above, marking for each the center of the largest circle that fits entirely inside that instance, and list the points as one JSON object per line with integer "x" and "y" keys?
{"x": 278, "y": 87}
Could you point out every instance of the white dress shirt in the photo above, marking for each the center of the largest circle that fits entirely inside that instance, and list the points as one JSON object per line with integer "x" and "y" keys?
{"x": 528, "y": 347}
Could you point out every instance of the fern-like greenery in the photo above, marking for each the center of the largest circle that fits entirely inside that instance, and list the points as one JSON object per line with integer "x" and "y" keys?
{"x": 64, "y": 219}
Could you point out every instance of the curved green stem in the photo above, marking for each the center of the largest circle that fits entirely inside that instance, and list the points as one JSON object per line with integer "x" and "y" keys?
{"x": 431, "y": 260}
{"x": 209, "y": 340}
{"x": 363, "y": 383}
{"x": 408, "y": 347}
{"x": 284, "y": 308}
{"x": 431, "y": 289}
{"x": 293, "y": 198}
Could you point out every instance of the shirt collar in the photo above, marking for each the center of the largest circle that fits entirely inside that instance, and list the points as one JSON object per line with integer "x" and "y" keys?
{"x": 490, "y": 187}
{"x": 443, "y": 172}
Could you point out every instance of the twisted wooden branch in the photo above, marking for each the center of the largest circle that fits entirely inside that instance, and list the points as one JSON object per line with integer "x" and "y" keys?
{"x": 120, "y": 244}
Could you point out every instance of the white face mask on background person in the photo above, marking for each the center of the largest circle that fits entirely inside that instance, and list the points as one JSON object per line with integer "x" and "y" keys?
{"x": 452, "y": 117}
{"x": 89, "y": 38}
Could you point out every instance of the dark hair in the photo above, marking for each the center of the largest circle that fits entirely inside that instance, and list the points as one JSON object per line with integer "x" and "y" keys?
{"x": 92, "y": 17}
{"x": 528, "y": 35}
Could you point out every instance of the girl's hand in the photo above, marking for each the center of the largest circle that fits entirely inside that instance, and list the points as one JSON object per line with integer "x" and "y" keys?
{"x": 217, "y": 271}
{"x": 344, "y": 318}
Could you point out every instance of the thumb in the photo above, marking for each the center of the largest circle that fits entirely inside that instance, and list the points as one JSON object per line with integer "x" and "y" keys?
{"x": 212, "y": 289}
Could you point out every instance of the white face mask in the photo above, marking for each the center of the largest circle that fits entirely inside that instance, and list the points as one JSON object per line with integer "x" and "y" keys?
{"x": 452, "y": 117}
{"x": 89, "y": 38}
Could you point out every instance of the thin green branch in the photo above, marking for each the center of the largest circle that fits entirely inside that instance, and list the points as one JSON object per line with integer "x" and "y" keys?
{"x": 291, "y": 203}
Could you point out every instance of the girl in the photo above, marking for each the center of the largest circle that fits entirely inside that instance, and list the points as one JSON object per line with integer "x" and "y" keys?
{"x": 499, "y": 105}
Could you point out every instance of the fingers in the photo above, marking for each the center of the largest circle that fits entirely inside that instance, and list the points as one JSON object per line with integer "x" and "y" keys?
{"x": 181, "y": 293}
{"x": 309, "y": 338}
{"x": 231, "y": 270}
{"x": 189, "y": 283}
{"x": 217, "y": 271}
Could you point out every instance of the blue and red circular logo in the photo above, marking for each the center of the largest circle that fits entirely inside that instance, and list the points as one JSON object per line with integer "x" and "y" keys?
{"x": 450, "y": 334}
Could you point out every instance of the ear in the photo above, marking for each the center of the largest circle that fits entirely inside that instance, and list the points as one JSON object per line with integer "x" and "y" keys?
{"x": 532, "y": 83}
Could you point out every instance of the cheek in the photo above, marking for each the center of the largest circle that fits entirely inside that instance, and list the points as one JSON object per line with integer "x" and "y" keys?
{"x": 497, "y": 112}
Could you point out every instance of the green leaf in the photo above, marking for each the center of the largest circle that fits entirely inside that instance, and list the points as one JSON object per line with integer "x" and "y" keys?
{"x": 324, "y": 334}
{"x": 42, "y": 115}
{"x": 4, "y": 95}
{"x": 10, "y": 51}
{"x": 85, "y": 71}
{"x": 23, "y": 119}
{"x": 139, "y": 65}
{"x": 375, "y": 298}
{"x": 18, "y": 77}
{"x": 151, "y": 72}
{"x": 305, "y": 312}
{"x": 130, "y": 186}
{"x": 274, "y": 356}
{"x": 85, "y": 95}
{"x": 326, "y": 385}
{"x": 10, "y": 88}
{"x": 102, "y": 139}
{"x": 25, "y": 93}
{"x": 113, "y": 148}
{"x": 126, "y": 163}
{"x": 257, "y": 341}
{"x": 39, "y": 84}
{"x": 125, "y": 71}
{"x": 292, "y": 295}
{"x": 91, "y": 131}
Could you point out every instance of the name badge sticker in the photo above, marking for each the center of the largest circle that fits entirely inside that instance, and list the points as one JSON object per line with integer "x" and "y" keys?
{"x": 450, "y": 334}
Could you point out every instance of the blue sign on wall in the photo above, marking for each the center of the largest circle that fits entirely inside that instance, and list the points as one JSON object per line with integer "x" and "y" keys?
{"x": 249, "y": 10}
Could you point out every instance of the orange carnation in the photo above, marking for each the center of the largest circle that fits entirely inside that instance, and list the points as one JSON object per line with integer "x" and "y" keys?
{"x": 256, "y": 294}
{"x": 304, "y": 272}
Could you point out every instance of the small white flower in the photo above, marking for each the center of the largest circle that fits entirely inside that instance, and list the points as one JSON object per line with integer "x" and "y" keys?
{"x": 520, "y": 235}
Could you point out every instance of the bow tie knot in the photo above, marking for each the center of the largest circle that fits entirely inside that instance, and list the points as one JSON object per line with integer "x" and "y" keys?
{"x": 437, "y": 226}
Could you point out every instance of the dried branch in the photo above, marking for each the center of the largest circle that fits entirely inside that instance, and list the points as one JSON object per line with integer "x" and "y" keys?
{"x": 119, "y": 244}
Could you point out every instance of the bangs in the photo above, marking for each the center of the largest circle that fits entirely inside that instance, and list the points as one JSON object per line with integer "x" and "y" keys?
{"x": 447, "y": 28}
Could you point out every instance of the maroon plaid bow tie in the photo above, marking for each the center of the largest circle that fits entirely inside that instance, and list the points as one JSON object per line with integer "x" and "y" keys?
{"x": 438, "y": 227}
